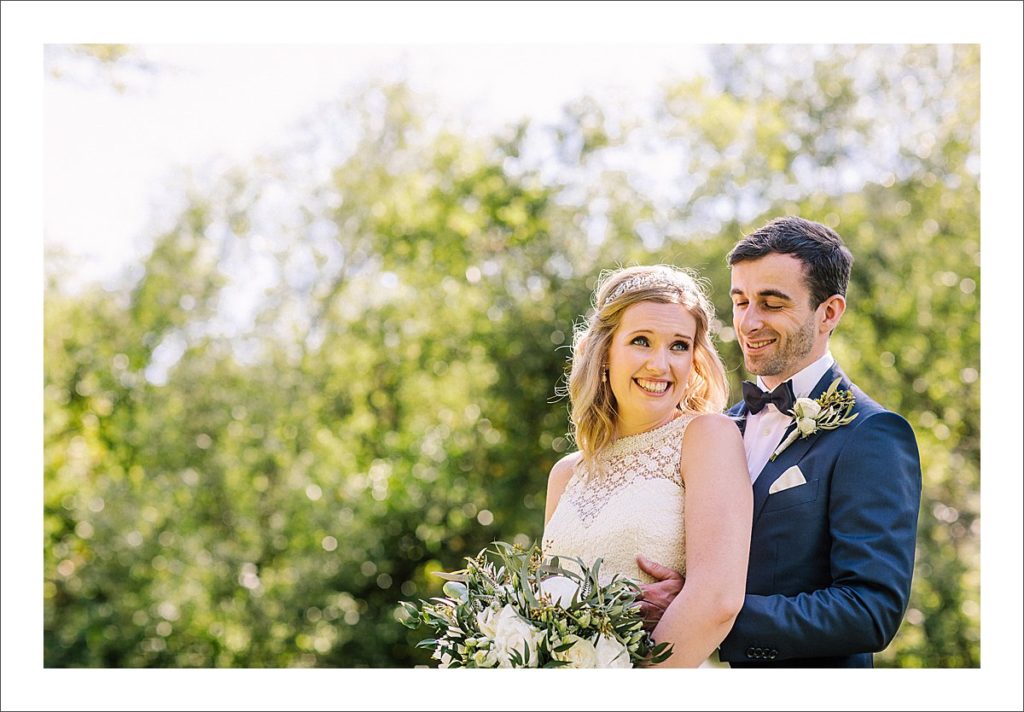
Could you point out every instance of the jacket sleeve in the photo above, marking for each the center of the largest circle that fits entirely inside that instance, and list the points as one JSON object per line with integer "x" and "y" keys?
{"x": 873, "y": 507}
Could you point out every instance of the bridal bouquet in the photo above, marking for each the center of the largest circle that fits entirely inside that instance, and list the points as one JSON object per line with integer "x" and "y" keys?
{"x": 512, "y": 608}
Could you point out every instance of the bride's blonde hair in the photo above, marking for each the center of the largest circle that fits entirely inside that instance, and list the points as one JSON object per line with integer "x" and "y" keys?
{"x": 593, "y": 406}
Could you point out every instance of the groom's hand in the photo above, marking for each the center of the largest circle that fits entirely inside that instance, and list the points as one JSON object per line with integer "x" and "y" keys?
{"x": 658, "y": 595}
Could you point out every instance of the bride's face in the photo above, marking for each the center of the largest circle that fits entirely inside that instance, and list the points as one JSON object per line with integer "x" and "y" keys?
{"x": 649, "y": 363}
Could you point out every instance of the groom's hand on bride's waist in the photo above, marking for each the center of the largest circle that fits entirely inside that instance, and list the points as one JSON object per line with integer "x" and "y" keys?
{"x": 658, "y": 595}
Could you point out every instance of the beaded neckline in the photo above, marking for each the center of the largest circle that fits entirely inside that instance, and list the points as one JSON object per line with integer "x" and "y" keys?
{"x": 640, "y": 441}
{"x": 651, "y": 455}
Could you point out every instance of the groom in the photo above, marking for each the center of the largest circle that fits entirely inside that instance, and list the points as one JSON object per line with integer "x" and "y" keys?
{"x": 835, "y": 512}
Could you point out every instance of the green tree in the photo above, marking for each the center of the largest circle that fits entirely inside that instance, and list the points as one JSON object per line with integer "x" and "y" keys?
{"x": 332, "y": 378}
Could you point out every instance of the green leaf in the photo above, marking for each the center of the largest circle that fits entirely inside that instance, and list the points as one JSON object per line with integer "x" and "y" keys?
{"x": 524, "y": 581}
{"x": 456, "y": 590}
{"x": 459, "y": 576}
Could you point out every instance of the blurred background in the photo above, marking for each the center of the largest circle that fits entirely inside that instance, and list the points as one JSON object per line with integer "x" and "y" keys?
{"x": 297, "y": 362}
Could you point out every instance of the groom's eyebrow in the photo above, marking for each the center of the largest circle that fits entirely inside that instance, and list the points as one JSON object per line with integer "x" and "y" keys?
{"x": 774, "y": 293}
{"x": 736, "y": 291}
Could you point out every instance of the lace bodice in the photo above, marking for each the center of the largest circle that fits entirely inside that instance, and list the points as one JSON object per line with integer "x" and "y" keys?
{"x": 630, "y": 502}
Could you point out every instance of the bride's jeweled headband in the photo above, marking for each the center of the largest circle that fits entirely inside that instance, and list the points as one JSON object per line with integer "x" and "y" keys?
{"x": 643, "y": 281}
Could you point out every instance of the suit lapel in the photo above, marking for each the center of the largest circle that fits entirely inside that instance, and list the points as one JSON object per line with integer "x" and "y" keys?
{"x": 796, "y": 451}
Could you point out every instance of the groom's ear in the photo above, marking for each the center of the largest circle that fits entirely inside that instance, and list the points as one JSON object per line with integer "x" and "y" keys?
{"x": 832, "y": 310}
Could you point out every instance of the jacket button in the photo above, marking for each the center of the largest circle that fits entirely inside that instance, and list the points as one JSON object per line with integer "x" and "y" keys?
{"x": 750, "y": 652}
{"x": 772, "y": 654}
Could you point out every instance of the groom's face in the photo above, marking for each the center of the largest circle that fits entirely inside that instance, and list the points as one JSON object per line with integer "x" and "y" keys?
{"x": 771, "y": 312}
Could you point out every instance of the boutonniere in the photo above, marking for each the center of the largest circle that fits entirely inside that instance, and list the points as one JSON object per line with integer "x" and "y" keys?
{"x": 828, "y": 412}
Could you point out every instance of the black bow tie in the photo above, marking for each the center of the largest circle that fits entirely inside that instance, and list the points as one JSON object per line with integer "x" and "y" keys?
{"x": 756, "y": 399}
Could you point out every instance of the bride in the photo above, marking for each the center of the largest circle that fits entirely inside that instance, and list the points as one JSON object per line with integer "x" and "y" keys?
{"x": 646, "y": 389}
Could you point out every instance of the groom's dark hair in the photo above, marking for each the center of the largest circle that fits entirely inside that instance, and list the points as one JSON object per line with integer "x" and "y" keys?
{"x": 826, "y": 259}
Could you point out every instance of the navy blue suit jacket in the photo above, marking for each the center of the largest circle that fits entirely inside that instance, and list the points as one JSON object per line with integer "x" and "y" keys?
{"x": 831, "y": 560}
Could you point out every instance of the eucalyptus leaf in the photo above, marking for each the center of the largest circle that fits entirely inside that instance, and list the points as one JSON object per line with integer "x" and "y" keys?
{"x": 456, "y": 576}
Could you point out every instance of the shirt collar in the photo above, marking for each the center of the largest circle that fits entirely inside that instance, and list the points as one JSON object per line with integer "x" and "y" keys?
{"x": 805, "y": 380}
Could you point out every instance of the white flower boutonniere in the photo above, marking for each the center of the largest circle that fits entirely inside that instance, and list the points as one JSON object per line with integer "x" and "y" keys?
{"x": 828, "y": 412}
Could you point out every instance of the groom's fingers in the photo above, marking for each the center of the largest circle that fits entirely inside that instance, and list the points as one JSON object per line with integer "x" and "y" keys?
{"x": 659, "y": 572}
{"x": 657, "y": 596}
{"x": 650, "y": 616}
{"x": 650, "y": 613}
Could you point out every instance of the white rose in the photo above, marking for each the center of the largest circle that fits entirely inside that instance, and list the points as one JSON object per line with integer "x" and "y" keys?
{"x": 806, "y": 408}
{"x": 446, "y": 660}
{"x": 612, "y": 654}
{"x": 508, "y": 632}
{"x": 487, "y": 622}
{"x": 560, "y": 588}
{"x": 485, "y": 658}
{"x": 806, "y": 425}
{"x": 582, "y": 654}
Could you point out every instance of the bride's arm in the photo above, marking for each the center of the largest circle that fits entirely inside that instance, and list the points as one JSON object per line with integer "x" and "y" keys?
{"x": 718, "y": 512}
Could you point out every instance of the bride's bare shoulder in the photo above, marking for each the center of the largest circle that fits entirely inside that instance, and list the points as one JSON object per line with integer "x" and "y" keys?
{"x": 713, "y": 424}
{"x": 563, "y": 469}
{"x": 558, "y": 480}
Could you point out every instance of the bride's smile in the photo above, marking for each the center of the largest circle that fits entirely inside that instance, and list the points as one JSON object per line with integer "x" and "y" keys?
{"x": 651, "y": 386}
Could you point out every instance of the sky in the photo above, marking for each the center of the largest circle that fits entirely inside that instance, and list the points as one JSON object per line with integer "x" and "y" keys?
{"x": 52, "y": 173}
{"x": 110, "y": 156}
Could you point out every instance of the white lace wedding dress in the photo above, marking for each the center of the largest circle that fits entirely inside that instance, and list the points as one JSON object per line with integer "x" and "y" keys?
{"x": 632, "y": 504}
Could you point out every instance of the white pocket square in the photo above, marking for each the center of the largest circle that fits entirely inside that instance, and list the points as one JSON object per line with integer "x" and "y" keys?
{"x": 792, "y": 477}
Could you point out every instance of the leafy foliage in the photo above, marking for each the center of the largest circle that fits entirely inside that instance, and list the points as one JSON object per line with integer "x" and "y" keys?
{"x": 333, "y": 376}
{"x": 553, "y": 607}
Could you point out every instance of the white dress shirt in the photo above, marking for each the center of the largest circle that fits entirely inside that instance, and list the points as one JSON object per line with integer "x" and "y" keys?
{"x": 764, "y": 431}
